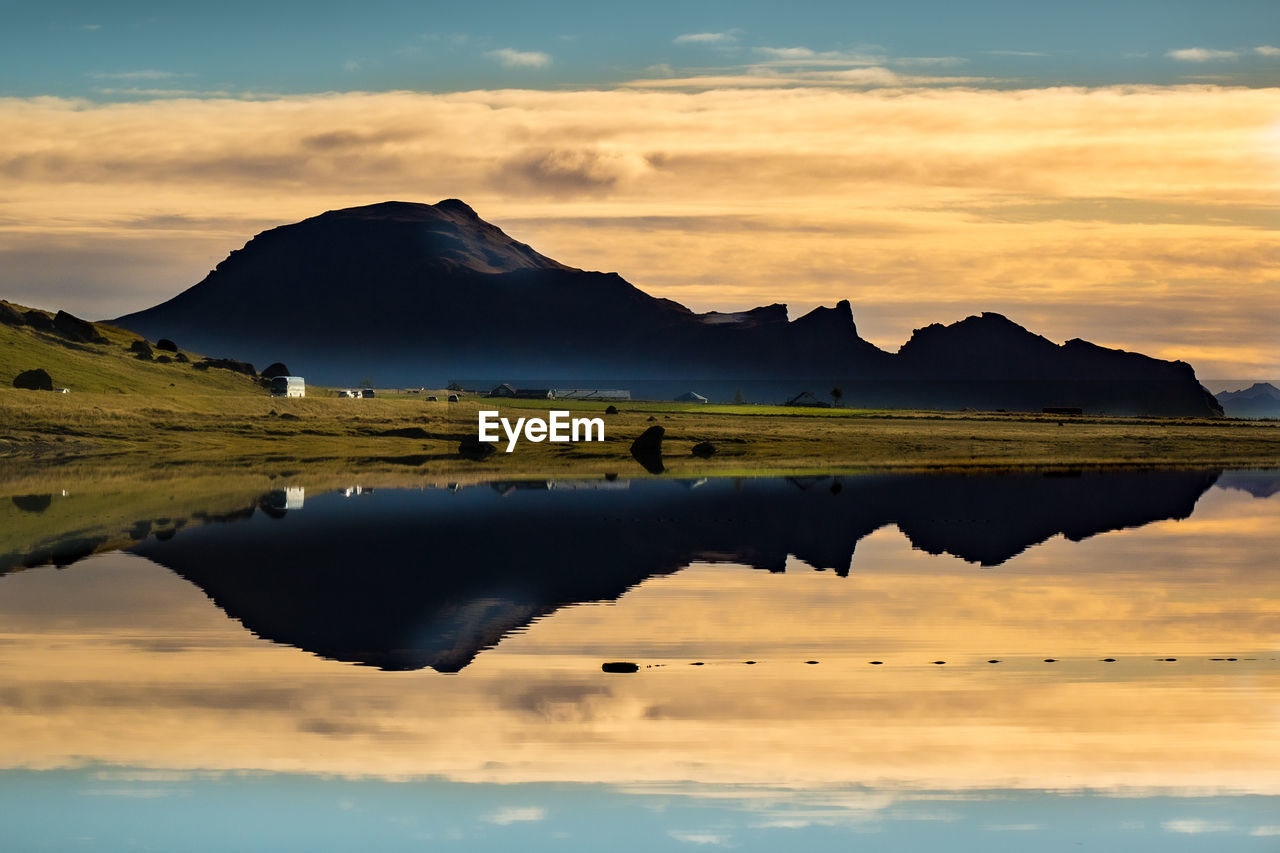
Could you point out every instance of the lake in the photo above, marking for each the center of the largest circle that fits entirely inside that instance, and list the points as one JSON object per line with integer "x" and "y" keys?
{"x": 959, "y": 661}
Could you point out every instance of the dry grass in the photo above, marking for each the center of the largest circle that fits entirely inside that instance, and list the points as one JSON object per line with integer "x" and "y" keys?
{"x": 253, "y": 432}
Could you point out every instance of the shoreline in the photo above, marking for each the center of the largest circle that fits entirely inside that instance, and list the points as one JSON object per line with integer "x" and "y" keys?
{"x": 96, "y": 436}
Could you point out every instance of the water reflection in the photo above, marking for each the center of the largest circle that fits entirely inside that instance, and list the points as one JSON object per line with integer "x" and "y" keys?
{"x": 120, "y": 671}
{"x": 32, "y": 503}
{"x": 412, "y": 579}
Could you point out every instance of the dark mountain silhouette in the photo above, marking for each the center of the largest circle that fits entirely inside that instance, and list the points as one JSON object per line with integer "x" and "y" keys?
{"x": 396, "y": 580}
{"x": 416, "y": 293}
{"x": 1259, "y": 400}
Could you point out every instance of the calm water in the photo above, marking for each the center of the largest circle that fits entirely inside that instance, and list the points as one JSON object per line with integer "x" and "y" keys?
{"x": 407, "y": 670}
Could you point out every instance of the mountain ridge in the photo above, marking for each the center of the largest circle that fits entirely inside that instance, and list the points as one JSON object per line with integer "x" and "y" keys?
{"x": 415, "y": 292}
{"x": 1259, "y": 400}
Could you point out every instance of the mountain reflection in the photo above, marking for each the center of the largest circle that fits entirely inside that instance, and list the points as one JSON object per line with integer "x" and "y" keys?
{"x": 411, "y": 579}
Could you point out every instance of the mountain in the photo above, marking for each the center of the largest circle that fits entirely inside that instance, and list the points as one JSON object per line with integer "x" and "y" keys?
{"x": 416, "y": 294}
{"x": 1259, "y": 400}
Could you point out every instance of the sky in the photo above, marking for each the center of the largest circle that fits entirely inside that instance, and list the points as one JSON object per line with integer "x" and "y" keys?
{"x": 1100, "y": 170}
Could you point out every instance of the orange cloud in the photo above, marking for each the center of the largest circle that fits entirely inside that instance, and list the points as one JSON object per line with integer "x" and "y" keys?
{"x": 722, "y": 194}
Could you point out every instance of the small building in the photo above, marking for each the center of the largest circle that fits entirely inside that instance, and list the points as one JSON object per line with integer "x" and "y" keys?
{"x": 806, "y": 399}
{"x": 589, "y": 394}
{"x": 291, "y": 497}
{"x": 691, "y": 397}
{"x": 511, "y": 392}
{"x": 288, "y": 386}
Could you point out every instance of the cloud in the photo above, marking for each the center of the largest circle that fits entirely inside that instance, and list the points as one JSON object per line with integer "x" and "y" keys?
{"x": 517, "y": 814}
{"x": 1014, "y": 53}
{"x": 715, "y": 839}
{"x": 570, "y": 171}
{"x": 338, "y": 140}
{"x": 510, "y": 58}
{"x": 872, "y": 76}
{"x": 151, "y": 92}
{"x": 143, "y": 74}
{"x": 1265, "y": 831}
{"x": 1267, "y": 50}
{"x": 705, "y": 38}
{"x": 1195, "y": 826}
{"x": 786, "y": 52}
{"x": 1201, "y": 54}
{"x": 929, "y": 61}
{"x": 1103, "y": 201}
{"x": 351, "y": 65}
{"x": 800, "y": 56}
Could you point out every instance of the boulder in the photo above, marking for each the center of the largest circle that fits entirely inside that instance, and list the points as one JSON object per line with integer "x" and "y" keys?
{"x": 33, "y": 380}
{"x": 227, "y": 364}
{"x": 611, "y": 410}
{"x": 140, "y": 349}
{"x": 647, "y": 449}
{"x": 703, "y": 450}
{"x": 73, "y": 328}
{"x": 473, "y": 448}
{"x": 277, "y": 369}
{"x": 38, "y": 320}
{"x": 9, "y": 316}
{"x": 166, "y": 345}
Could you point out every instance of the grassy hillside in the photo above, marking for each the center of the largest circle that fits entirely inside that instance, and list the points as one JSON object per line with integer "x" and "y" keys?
{"x": 108, "y": 368}
{"x": 128, "y": 422}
